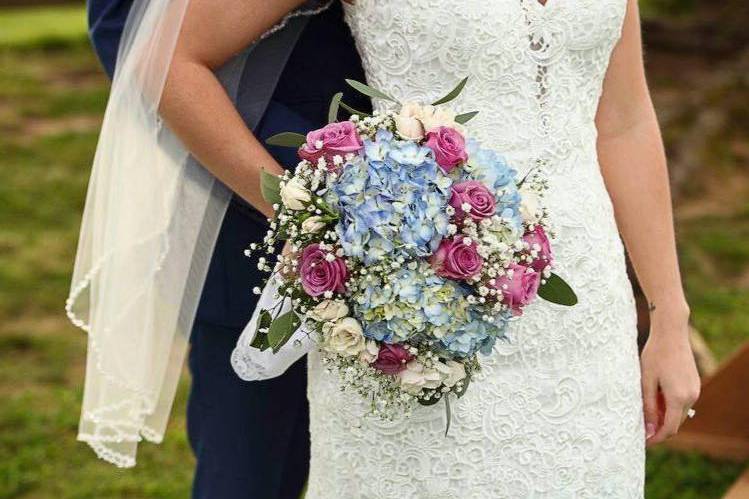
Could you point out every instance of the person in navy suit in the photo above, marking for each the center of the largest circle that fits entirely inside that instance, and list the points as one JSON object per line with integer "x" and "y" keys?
{"x": 250, "y": 439}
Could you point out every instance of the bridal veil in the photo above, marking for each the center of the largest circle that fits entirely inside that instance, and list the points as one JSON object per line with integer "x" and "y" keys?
{"x": 151, "y": 220}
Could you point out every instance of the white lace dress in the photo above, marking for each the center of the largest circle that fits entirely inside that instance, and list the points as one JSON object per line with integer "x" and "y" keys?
{"x": 557, "y": 411}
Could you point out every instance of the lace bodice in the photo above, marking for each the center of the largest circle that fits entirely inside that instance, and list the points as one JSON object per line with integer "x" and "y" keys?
{"x": 535, "y": 70}
{"x": 557, "y": 410}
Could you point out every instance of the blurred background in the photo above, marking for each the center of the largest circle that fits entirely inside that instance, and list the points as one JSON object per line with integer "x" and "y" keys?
{"x": 52, "y": 96}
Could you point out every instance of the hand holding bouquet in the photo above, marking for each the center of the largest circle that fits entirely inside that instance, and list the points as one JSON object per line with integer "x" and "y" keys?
{"x": 411, "y": 248}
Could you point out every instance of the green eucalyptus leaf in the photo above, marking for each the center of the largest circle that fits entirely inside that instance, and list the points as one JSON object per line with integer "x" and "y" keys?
{"x": 448, "y": 413}
{"x": 453, "y": 93}
{"x": 369, "y": 91}
{"x": 556, "y": 290}
{"x": 270, "y": 187}
{"x": 282, "y": 329}
{"x": 465, "y": 117}
{"x": 260, "y": 341}
{"x": 351, "y": 110}
{"x": 334, "y": 105}
{"x": 286, "y": 139}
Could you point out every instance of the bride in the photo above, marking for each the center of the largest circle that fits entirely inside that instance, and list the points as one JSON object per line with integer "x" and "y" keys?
{"x": 566, "y": 408}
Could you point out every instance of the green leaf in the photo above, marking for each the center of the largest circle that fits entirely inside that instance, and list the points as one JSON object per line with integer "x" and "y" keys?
{"x": 465, "y": 117}
{"x": 466, "y": 382}
{"x": 448, "y": 413}
{"x": 286, "y": 139}
{"x": 369, "y": 91}
{"x": 281, "y": 330}
{"x": 556, "y": 290}
{"x": 453, "y": 93}
{"x": 270, "y": 187}
{"x": 334, "y": 105}
{"x": 351, "y": 110}
{"x": 260, "y": 341}
{"x": 429, "y": 401}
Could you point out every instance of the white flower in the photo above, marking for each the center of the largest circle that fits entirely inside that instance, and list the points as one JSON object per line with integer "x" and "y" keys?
{"x": 435, "y": 117}
{"x": 530, "y": 205}
{"x": 408, "y": 121}
{"x": 294, "y": 195}
{"x": 451, "y": 372}
{"x": 345, "y": 337}
{"x": 312, "y": 224}
{"x": 328, "y": 310}
{"x": 369, "y": 354}
{"x": 416, "y": 377}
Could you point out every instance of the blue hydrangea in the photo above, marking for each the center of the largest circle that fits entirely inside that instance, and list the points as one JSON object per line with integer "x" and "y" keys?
{"x": 422, "y": 308}
{"x": 409, "y": 304}
{"x": 490, "y": 168}
{"x": 392, "y": 201}
{"x": 476, "y": 335}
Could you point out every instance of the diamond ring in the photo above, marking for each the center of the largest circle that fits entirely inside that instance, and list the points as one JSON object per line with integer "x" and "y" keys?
{"x": 691, "y": 412}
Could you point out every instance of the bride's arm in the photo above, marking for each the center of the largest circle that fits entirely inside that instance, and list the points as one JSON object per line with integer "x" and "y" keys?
{"x": 633, "y": 164}
{"x": 195, "y": 105}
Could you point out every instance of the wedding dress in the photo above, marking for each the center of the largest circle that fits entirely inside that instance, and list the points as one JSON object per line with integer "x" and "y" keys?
{"x": 556, "y": 412}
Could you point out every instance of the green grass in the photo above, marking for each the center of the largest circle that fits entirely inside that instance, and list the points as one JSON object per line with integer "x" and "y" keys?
{"x": 52, "y": 96}
{"x": 42, "y": 26}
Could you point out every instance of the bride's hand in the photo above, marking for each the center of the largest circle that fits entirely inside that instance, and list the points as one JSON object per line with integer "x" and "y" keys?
{"x": 670, "y": 381}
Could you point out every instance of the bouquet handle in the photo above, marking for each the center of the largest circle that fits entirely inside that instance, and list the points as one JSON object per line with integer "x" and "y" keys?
{"x": 251, "y": 364}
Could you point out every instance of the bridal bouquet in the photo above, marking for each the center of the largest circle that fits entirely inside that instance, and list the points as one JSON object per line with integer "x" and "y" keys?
{"x": 409, "y": 249}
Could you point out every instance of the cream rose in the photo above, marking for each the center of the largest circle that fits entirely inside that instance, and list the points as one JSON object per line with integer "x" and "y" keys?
{"x": 345, "y": 337}
{"x": 408, "y": 121}
{"x": 434, "y": 117}
{"x": 451, "y": 372}
{"x": 328, "y": 310}
{"x": 416, "y": 377}
{"x": 294, "y": 195}
{"x": 369, "y": 354}
{"x": 313, "y": 224}
{"x": 530, "y": 205}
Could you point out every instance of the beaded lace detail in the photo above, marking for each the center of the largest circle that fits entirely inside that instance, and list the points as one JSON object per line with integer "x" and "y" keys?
{"x": 556, "y": 412}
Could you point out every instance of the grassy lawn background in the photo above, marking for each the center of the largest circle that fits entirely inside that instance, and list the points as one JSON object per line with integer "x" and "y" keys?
{"x": 52, "y": 96}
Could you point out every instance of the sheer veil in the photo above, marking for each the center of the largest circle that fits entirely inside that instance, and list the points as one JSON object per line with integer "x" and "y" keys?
{"x": 151, "y": 220}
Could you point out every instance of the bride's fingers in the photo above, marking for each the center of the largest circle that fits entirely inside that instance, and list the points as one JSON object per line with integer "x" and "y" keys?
{"x": 650, "y": 405}
{"x": 674, "y": 412}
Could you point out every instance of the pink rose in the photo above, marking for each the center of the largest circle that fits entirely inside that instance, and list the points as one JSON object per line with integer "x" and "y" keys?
{"x": 334, "y": 139}
{"x": 318, "y": 275}
{"x": 520, "y": 289}
{"x": 538, "y": 241}
{"x": 449, "y": 147}
{"x": 477, "y": 196}
{"x": 391, "y": 359}
{"x": 455, "y": 259}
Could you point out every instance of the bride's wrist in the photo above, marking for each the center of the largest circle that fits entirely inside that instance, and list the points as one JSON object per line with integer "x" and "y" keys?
{"x": 669, "y": 313}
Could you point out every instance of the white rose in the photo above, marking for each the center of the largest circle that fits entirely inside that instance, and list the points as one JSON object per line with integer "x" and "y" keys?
{"x": 369, "y": 354}
{"x": 451, "y": 372}
{"x": 294, "y": 195}
{"x": 416, "y": 377}
{"x": 435, "y": 117}
{"x": 530, "y": 205}
{"x": 328, "y": 310}
{"x": 345, "y": 337}
{"x": 313, "y": 224}
{"x": 408, "y": 121}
